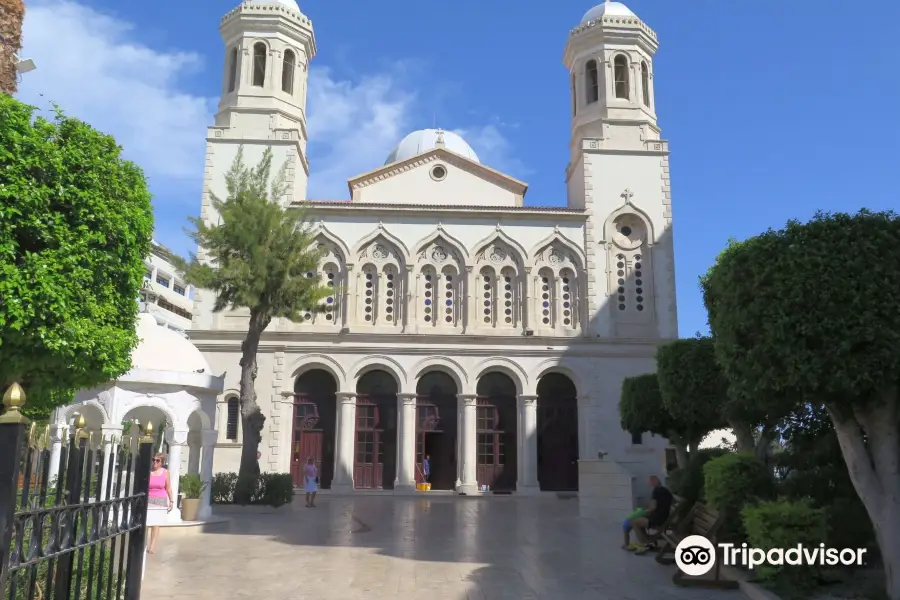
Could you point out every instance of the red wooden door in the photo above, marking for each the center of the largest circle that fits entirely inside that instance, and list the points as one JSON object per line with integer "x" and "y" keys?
{"x": 428, "y": 420}
{"x": 491, "y": 459}
{"x": 369, "y": 456}
{"x": 307, "y": 438}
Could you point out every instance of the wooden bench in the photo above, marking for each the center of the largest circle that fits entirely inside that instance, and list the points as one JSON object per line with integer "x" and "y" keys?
{"x": 702, "y": 521}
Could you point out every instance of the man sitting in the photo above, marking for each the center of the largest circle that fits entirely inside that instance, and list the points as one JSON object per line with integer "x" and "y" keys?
{"x": 654, "y": 517}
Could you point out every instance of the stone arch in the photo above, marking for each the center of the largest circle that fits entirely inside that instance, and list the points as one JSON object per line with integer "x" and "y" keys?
{"x": 557, "y": 238}
{"x": 205, "y": 420}
{"x": 444, "y": 365}
{"x": 325, "y": 233}
{"x": 66, "y": 413}
{"x": 383, "y": 363}
{"x": 309, "y": 362}
{"x": 506, "y": 366}
{"x": 392, "y": 240}
{"x": 158, "y": 403}
{"x": 628, "y": 209}
{"x": 552, "y": 365}
{"x": 440, "y": 234}
{"x": 500, "y": 235}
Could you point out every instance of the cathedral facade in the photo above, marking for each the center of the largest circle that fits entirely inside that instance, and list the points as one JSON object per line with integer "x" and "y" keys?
{"x": 465, "y": 325}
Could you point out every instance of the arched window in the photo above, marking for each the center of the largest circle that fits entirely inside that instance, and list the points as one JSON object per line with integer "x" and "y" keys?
{"x": 232, "y": 69}
{"x": 591, "y": 82}
{"x": 645, "y": 83}
{"x": 287, "y": 72}
{"x": 620, "y": 66}
{"x": 574, "y": 97}
{"x": 233, "y": 405}
{"x": 259, "y": 64}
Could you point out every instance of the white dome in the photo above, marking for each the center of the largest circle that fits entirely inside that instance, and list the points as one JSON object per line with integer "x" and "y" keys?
{"x": 426, "y": 139}
{"x": 292, "y": 4}
{"x": 161, "y": 349}
{"x": 614, "y": 9}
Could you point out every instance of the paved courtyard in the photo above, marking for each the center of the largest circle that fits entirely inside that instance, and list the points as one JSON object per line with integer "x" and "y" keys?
{"x": 375, "y": 547}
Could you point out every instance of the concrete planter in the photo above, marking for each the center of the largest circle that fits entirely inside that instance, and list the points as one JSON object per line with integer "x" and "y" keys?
{"x": 190, "y": 509}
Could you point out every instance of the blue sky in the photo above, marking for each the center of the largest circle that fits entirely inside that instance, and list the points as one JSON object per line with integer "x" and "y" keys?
{"x": 773, "y": 110}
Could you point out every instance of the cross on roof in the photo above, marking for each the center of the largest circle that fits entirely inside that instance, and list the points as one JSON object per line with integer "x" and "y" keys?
{"x": 440, "y": 135}
{"x": 627, "y": 194}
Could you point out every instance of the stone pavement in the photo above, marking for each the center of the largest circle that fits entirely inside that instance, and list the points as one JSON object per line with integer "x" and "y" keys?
{"x": 435, "y": 547}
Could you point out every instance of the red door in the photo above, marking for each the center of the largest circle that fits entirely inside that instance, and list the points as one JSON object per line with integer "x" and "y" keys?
{"x": 428, "y": 419}
{"x": 369, "y": 459}
{"x": 307, "y": 439}
{"x": 491, "y": 451}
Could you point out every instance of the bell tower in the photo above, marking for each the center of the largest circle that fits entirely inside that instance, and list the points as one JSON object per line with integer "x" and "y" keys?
{"x": 268, "y": 46}
{"x": 619, "y": 173}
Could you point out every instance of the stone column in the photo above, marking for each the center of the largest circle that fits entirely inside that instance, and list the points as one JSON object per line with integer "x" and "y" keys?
{"x": 528, "y": 445}
{"x": 470, "y": 319}
{"x": 110, "y": 436}
{"x": 345, "y": 438}
{"x": 406, "y": 442}
{"x": 348, "y": 297}
{"x": 527, "y": 304}
{"x": 208, "y": 441}
{"x": 469, "y": 454}
{"x": 177, "y": 439}
{"x": 59, "y": 435}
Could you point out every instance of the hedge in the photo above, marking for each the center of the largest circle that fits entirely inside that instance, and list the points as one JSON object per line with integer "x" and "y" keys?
{"x": 270, "y": 489}
{"x": 733, "y": 481}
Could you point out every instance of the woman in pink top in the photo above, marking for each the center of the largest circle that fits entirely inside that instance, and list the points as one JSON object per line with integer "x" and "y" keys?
{"x": 310, "y": 482}
{"x": 160, "y": 494}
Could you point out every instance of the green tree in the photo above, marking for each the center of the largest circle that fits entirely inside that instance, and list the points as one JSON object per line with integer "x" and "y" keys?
{"x": 641, "y": 408}
{"x": 75, "y": 227}
{"x": 692, "y": 388}
{"x": 811, "y": 314}
{"x": 257, "y": 257}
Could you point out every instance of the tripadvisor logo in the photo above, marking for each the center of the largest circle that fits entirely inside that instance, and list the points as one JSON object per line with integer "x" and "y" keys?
{"x": 696, "y": 556}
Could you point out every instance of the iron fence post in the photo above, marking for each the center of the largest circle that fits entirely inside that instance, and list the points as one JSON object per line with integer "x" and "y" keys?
{"x": 64, "y": 564}
{"x": 137, "y": 538}
{"x": 12, "y": 436}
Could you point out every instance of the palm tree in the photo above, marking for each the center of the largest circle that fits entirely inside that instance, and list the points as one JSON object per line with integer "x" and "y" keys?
{"x": 12, "y": 14}
{"x": 258, "y": 256}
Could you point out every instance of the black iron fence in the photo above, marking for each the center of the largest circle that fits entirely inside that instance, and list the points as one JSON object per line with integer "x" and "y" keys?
{"x": 72, "y": 518}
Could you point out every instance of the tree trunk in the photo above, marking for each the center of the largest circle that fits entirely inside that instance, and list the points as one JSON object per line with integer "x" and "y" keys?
{"x": 743, "y": 436}
{"x": 252, "y": 419}
{"x": 870, "y": 444}
{"x": 681, "y": 455}
{"x": 761, "y": 448}
{"x": 12, "y": 14}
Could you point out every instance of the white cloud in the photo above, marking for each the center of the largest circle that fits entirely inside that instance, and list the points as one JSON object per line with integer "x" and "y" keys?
{"x": 353, "y": 127}
{"x": 90, "y": 64}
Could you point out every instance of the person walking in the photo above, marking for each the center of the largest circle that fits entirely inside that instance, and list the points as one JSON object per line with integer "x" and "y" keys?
{"x": 159, "y": 498}
{"x": 426, "y": 469}
{"x": 310, "y": 482}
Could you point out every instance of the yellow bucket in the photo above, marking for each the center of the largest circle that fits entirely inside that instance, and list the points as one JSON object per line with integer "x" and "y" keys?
{"x": 423, "y": 487}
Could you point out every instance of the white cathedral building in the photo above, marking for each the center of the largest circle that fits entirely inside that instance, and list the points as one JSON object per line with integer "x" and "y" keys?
{"x": 470, "y": 327}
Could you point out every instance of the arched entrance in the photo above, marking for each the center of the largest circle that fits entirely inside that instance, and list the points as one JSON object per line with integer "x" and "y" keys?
{"x": 496, "y": 427}
{"x": 436, "y": 421}
{"x": 314, "y": 425}
{"x": 375, "y": 456}
{"x": 557, "y": 433}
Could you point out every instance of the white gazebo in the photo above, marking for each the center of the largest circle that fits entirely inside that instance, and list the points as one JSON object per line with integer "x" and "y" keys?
{"x": 169, "y": 382}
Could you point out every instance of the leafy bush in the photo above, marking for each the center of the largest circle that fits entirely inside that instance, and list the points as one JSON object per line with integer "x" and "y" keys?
{"x": 688, "y": 482}
{"x": 191, "y": 486}
{"x": 785, "y": 524}
{"x": 269, "y": 489}
{"x": 222, "y": 490}
{"x": 733, "y": 481}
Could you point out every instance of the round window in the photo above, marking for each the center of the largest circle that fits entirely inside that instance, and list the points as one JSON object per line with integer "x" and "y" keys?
{"x": 438, "y": 172}
{"x": 626, "y": 230}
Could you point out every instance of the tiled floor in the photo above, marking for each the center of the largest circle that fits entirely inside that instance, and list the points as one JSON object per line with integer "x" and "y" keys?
{"x": 437, "y": 548}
